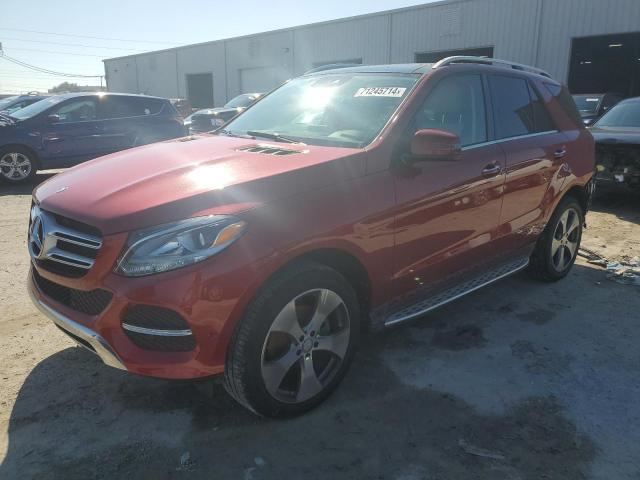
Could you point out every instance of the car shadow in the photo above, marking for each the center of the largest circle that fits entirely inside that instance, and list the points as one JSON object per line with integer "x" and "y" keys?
{"x": 624, "y": 204}
{"x": 73, "y": 417}
{"x": 27, "y": 187}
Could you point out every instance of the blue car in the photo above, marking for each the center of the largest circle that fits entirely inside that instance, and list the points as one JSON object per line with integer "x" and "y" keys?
{"x": 16, "y": 102}
{"x": 66, "y": 130}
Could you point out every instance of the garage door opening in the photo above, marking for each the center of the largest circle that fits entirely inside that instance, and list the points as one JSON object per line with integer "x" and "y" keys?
{"x": 607, "y": 63}
{"x": 200, "y": 90}
{"x": 433, "y": 57}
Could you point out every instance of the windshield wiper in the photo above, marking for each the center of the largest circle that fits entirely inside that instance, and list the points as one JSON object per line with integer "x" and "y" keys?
{"x": 7, "y": 119}
{"x": 231, "y": 134}
{"x": 272, "y": 136}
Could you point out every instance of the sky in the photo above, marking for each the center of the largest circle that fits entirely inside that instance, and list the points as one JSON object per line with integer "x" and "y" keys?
{"x": 60, "y": 35}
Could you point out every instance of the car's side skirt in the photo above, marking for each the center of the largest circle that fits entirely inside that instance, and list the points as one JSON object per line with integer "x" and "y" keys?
{"x": 449, "y": 295}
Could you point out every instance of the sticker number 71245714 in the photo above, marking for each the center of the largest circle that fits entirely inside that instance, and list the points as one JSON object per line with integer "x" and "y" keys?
{"x": 380, "y": 92}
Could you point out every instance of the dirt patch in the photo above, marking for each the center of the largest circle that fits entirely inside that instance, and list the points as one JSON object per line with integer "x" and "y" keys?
{"x": 461, "y": 338}
{"x": 560, "y": 386}
{"x": 538, "y": 316}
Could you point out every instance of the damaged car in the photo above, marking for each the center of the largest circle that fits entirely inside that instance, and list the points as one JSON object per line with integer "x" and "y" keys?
{"x": 617, "y": 136}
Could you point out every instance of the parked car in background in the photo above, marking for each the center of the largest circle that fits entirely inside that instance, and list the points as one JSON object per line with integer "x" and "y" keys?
{"x": 182, "y": 105}
{"x": 364, "y": 196}
{"x": 209, "y": 119}
{"x": 617, "y": 136}
{"x": 64, "y": 130}
{"x": 16, "y": 102}
{"x": 593, "y": 106}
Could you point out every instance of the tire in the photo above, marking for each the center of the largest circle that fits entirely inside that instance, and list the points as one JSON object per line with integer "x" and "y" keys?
{"x": 545, "y": 263}
{"x": 17, "y": 164}
{"x": 259, "y": 351}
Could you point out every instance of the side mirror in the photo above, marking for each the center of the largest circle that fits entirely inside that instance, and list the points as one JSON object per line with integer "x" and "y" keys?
{"x": 432, "y": 144}
{"x": 53, "y": 118}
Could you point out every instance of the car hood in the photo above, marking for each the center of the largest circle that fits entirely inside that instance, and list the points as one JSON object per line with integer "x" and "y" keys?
{"x": 218, "y": 111}
{"x": 197, "y": 175}
{"x": 616, "y": 135}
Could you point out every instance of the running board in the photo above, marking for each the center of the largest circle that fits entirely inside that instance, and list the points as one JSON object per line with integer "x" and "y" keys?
{"x": 453, "y": 293}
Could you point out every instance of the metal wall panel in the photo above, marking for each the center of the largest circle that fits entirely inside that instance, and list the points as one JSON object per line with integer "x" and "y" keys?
{"x": 537, "y": 32}
{"x": 366, "y": 38}
{"x": 208, "y": 58}
{"x": 508, "y": 25}
{"x": 563, "y": 20}
{"x": 274, "y": 50}
{"x": 157, "y": 74}
{"x": 121, "y": 75}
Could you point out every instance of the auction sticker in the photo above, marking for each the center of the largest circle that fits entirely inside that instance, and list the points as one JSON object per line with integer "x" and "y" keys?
{"x": 380, "y": 92}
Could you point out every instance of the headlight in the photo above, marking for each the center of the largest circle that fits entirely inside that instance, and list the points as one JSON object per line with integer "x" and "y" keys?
{"x": 174, "y": 245}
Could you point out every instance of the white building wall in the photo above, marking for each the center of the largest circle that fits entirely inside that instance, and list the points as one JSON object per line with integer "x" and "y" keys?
{"x": 536, "y": 32}
{"x": 507, "y": 25}
{"x": 206, "y": 58}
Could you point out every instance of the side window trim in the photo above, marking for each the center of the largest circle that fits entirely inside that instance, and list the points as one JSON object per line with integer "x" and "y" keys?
{"x": 503, "y": 140}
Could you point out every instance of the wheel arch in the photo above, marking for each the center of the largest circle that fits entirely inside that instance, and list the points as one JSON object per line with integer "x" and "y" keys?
{"x": 581, "y": 194}
{"x": 31, "y": 150}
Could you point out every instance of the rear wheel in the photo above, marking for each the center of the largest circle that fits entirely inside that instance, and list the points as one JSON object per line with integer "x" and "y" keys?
{"x": 557, "y": 247}
{"x": 295, "y": 342}
{"x": 17, "y": 164}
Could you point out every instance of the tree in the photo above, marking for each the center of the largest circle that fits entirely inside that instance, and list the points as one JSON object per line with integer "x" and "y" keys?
{"x": 74, "y": 87}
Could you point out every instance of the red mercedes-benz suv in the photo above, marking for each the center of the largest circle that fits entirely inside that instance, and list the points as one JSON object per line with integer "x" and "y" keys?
{"x": 345, "y": 199}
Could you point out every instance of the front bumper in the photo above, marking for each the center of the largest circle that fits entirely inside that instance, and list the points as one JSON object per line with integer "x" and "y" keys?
{"x": 209, "y": 297}
{"x": 82, "y": 335}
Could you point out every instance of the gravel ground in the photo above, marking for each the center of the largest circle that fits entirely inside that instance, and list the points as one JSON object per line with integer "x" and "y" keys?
{"x": 520, "y": 380}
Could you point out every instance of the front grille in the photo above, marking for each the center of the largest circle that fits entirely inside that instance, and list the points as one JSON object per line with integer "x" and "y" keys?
{"x": 158, "y": 329}
{"x": 62, "y": 245}
{"x": 88, "y": 302}
{"x": 268, "y": 150}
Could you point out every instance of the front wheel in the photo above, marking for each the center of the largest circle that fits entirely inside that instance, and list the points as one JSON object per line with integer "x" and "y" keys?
{"x": 17, "y": 164}
{"x": 557, "y": 247}
{"x": 295, "y": 342}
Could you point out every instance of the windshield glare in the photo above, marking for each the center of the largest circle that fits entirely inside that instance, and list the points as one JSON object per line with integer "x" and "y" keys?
{"x": 36, "y": 108}
{"x": 622, "y": 115}
{"x": 346, "y": 110}
{"x": 587, "y": 103}
{"x": 7, "y": 101}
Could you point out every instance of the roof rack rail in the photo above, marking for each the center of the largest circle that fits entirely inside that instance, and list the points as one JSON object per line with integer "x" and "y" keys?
{"x": 491, "y": 61}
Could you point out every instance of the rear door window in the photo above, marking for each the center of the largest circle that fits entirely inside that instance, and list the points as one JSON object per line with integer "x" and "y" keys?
{"x": 567, "y": 102}
{"x": 514, "y": 112}
{"x": 541, "y": 118}
{"x": 113, "y": 106}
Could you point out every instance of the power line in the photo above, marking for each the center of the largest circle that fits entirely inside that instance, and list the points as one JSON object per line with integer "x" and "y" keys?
{"x": 45, "y": 70}
{"x": 85, "y": 36}
{"x": 70, "y": 44}
{"x": 58, "y": 53}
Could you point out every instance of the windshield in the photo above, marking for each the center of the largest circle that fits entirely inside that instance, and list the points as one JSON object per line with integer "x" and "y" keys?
{"x": 36, "y": 108}
{"x": 242, "y": 101}
{"x": 587, "y": 103}
{"x": 622, "y": 115}
{"x": 7, "y": 101}
{"x": 346, "y": 110}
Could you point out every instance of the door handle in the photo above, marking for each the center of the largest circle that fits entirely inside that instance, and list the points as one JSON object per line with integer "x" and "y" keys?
{"x": 560, "y": 153}
{"x": 491, "y": 170}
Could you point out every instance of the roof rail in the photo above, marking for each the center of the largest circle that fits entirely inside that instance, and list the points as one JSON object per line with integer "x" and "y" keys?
{"x": 490, "y": 61}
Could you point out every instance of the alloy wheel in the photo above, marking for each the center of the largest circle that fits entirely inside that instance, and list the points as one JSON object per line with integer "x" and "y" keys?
{"x": 15, "y": 166}
{"x": 305, "y": 346}
{"x": 566, "y": 236}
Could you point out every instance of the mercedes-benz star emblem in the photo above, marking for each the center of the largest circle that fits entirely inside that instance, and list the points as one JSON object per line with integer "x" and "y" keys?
{"x": 36, "y": 236}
